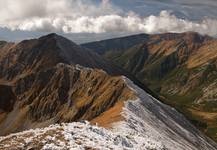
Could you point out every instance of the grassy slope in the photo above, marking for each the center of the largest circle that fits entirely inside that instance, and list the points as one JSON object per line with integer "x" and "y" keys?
{"x": 161, "y": 63}
{"x": 185, "y": 102}
{"x": 202, "y": 115}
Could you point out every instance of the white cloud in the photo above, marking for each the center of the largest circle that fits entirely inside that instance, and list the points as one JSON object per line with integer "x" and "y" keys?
{"x": 82, "y": 16}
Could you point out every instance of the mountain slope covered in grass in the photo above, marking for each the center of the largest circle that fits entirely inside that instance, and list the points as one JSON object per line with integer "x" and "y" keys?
{"x": 179, "y": 67}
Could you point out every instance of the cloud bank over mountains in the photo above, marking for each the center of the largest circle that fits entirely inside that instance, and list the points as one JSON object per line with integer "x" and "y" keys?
{"x": 82, "y": 16}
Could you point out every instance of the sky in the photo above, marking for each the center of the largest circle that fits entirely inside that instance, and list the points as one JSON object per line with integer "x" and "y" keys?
{"x": 89, "y": 20}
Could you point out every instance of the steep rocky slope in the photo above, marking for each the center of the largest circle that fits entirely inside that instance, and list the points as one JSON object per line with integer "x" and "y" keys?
{"x": 147, "y": 124}
{"x": 179, "y": 67}
{"x": 42, "y": 82}
{"x": 63, "y": 93}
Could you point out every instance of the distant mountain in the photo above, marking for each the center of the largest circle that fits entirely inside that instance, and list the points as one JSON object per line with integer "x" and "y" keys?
{"x": 179, "y": 67}
{"x": 40, "y": 54}
{"x": 51, "y": 80}
{"x": 116, "y": 44}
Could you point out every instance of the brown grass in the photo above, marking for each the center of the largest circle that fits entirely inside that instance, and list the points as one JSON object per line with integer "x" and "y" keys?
{"x": 208, "y": 116}
{"x": 203, "y": 55}
{"x": 112, "y": 115}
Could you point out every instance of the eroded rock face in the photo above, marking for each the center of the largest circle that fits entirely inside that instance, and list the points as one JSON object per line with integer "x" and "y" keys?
{"x": 49, "y": 84}
{"x": 64, "y": 93}
{"x": 46, "y": 91}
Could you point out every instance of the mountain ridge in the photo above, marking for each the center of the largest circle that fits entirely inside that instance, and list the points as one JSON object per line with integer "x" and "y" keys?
{"x": 45, "y": 71}
{"x": 180, "y": 68}
{"x": 49, "y": 83}
{"x": 147, "y": 124}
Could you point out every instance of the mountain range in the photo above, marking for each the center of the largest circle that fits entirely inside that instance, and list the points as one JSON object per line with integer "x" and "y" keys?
{"x": 179, "y": 67}
{"x": 50, "y": 86}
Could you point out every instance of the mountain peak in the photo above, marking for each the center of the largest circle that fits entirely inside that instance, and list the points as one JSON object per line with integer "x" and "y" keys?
{"x": 51, "y": 35}
{"x": 54, "y": 36}
{"x": 49, "y": 50}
